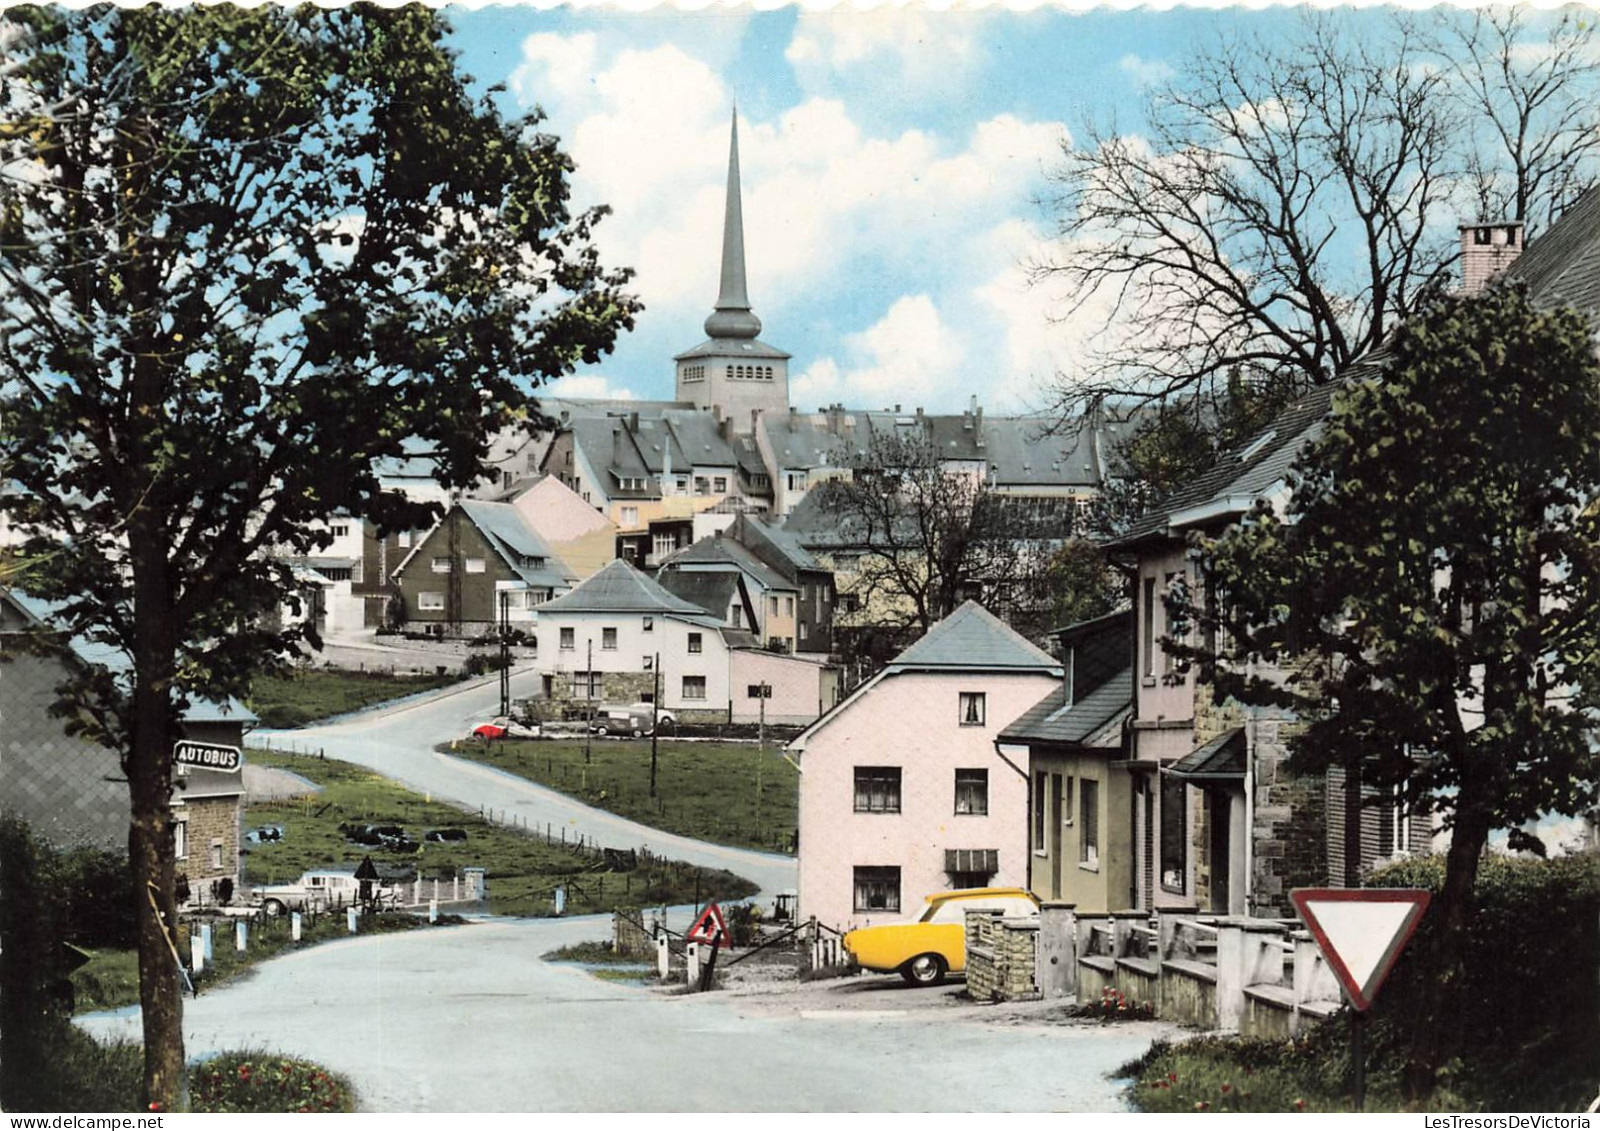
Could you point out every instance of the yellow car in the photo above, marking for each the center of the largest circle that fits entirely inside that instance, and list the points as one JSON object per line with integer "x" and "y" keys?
{"x": 925, "y": 949}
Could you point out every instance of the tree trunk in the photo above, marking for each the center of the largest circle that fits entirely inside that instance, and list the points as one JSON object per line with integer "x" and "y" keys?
{"x": 1438, "y": 1031}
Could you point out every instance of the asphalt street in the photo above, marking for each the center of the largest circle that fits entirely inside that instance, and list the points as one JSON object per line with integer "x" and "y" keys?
{"x": 398, "y": 741}
{"x": 469, "y": 1019}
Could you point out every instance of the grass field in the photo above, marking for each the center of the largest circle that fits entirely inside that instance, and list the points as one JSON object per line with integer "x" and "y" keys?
{"x": 523, "y": 871}
{"x": 706, "y": 790}
{"x": 309, "y": 694}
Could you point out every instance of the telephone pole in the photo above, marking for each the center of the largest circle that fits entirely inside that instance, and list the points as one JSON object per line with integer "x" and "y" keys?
{"x": 505, "y": 654}
{"x": 655, "y": 716}
{"x": 588, "y": 696}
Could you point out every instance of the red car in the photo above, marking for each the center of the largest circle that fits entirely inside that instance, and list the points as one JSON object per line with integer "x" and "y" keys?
{"x": 504, "y": 728}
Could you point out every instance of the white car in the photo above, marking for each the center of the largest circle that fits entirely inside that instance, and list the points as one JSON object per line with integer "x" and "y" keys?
{"x": 504, "y": 727}
{"x": 316, "y": 890}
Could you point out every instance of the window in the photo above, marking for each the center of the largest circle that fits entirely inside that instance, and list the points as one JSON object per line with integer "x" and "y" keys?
{"x": 774, "y": 601}
{"x": 569, "y": 639}
{"x": 877, "y": 889}
{"x": 216, "y": 854}
{"x": 973, "y": 709}
{"x": 441, "y": 565}
{"x": 797, "y": 480}
{"x": 648, "y": 663}
{"x": 1169, "y": 661}
{"x": 974, "y": 868}
{"x": 877, "y": 789}
{"x": 694, "y": 687}
{"x": 788, "y": 606}
{"x": 802, "y": 630}
{"x": 1040, "y": 781}
{"x": 758, "y": 691}
{"x": 341, "y": 531}
{"x": 586, "y": 685}
{"x": 630, "y": 517}
{"x": 180, "y": 840}
{"x": 476, "y": 565}
{"x": 1149, "y": 621}
{"x": 664, "y": 544}
{"x": 694, "y": 643}
{"x": 1174, "y": 820}
{"x": 1089, "y": 823}
{"x": 608, "y": 640}
{"x": 850, "y": 602}
{"x": 649, "y": 624}
{"x": 403, "y": 539}
{"x": 702, "y": 485}
{"x": 683, "y": 482}
{"x": 719, "y": 484}
{"x": 430, "y": 602}
{"x": 972, "y": 793}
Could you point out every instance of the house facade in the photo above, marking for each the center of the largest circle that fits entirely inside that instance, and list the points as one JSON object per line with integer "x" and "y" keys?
{"x": 902, "y": 790}
{"x": 72, "y": 791}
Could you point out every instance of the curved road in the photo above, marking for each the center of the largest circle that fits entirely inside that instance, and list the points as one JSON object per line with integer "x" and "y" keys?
{"x": 398, "y": 740}
{"x": 469, "y": 1019}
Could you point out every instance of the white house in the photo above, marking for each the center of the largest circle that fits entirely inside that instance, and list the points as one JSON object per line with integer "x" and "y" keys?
{"x": 902, "y": 791}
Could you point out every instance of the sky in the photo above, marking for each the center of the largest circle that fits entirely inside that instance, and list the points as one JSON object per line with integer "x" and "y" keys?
{"x": 896, "y": 172}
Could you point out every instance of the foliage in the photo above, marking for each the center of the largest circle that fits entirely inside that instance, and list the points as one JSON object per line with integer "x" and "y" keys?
{"x": 933, "y": 537}
{"x": 1223, "y": 1074}
{"x": 478, "y": 663}
{"x": 307, "y": 695}
{"x": 1284, "y": 203}
{"x": 1530, "y": 1002}
{"x": 259, "y": 1082}
{"x": 246, "y": 253}
{"x": 705, "y": 790}
{"x": 1114, "y": 1005}
{"x": 590, "y": 953}
{"x": 522, "y": 869}
{"x": 1429, "y": 605}
{"x": 1078, "y": 585}
{"x": 65, "y": 1069}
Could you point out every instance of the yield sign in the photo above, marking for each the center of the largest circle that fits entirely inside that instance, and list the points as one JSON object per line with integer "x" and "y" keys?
{"x": 711, "y": 927}
{"x": 1361, "y": 932}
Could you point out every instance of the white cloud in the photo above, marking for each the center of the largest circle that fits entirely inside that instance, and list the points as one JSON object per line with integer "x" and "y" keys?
{"x": 592, "y": 385}
{"x": 1146, "y": 72}
{"x": 893, "y": 49}
{"x": 909, "y": 353}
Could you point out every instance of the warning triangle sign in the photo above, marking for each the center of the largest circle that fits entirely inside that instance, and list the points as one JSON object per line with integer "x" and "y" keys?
{"x": 711, "y": 927}
{"x": 1361, "y": 932}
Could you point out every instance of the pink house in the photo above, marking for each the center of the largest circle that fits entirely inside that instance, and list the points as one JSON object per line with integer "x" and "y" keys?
{"x": 902, "y": 793}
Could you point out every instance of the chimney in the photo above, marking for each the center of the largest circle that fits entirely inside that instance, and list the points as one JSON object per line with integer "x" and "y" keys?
{"x": 977, "y": 427}
{"x": 633, "y": 423}
{"x": 1487, "y": 249}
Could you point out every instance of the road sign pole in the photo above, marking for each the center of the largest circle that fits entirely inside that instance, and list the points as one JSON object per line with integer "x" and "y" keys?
{"x": 655, "y": 716}
{"x": 1358, "y": 1056}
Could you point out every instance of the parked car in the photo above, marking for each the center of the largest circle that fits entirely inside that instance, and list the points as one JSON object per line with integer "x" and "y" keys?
{"x": 924, "y": 949}
{"x": 662, "y": 715}
{"x": 636, "y": 719}
{"x": 504, "y": 727}
{"x": 314, "y": 890}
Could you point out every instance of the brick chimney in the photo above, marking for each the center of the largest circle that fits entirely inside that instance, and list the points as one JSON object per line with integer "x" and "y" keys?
{"x": 1487, "y": 249}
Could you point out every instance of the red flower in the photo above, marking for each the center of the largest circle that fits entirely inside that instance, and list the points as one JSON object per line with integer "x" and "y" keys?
{"x": 1227, "y": 1087}
{"x": 1299, "y": 1105}
{"x": 1201, "y": 1105}
{"x": 1173, "y": 1076}
{"x": 157, "y": 1105}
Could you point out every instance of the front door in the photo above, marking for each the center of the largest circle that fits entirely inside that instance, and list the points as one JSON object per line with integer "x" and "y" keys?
{"x": 1220, "y": 856}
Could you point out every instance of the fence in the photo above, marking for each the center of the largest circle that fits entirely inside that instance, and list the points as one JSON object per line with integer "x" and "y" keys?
{"x": 1259, "y": 977}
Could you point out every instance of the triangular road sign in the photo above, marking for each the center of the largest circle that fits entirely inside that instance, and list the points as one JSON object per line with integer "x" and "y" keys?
{"x": 711, "y": 927}
{"x": 1361, "y": 932}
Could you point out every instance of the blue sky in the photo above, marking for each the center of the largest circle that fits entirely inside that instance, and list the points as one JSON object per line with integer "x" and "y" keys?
{"x": 894, "y": 166}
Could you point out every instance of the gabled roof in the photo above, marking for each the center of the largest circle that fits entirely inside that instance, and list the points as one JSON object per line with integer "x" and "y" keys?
{"x": 1053, "y": 720}
{"x": 1221, "y": 759}
{"x": 42, "y": 614}
{"x": 1562, "y": 266}
{"x": 518, "y": 543}
{"x": 973, "y": 638}
{"x": 774, "y": 545}
{"x": 619, "y": 588}
{"x": 710, "y": 590}
{"x": 719, "y": 549}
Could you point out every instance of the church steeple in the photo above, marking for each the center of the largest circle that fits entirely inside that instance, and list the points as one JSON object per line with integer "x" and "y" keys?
{"x": 733, "y": 317}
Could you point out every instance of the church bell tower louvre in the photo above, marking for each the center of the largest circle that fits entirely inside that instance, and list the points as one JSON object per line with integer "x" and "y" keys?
{"x": 732, "y": 371}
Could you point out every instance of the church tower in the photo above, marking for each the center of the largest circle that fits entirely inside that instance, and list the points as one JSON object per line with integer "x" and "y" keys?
{"x": 732, "y": 370}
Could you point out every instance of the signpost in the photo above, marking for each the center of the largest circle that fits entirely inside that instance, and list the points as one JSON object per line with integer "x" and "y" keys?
{"x": 1361, "y": 932}
{"x": 710, "y": 928}
{"x": 211, "y": 755}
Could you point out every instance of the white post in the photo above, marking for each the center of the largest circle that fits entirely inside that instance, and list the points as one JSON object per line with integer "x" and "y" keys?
{"x": 436, "y": 891}
{"x": 294, "y": 925}
{"x": 416, "y": 891}
{"x": 692, "y": 956}
{"x": 433, "y": 910}
{"x": 663, "y": 956}
{"x": 1231, "y": 974}
{"x": 205, "y": 936}
{"x": 456, "y": 885}
{"x": 350, "y": 919}
{"x": 197, "y": 953}
{"x": 241, "y": 935}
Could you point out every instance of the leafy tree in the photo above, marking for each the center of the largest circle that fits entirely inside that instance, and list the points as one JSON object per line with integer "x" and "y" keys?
{"x": 1429, "y": 603}
{"x": 1077, "y": 584}
{"x": 1285, "y": 203}
{"x": 243, "y": 254}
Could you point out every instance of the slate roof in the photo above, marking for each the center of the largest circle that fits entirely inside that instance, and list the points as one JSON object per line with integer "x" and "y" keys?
{"x": 732, "y": 347}
{"x": 969, "y": 638}
{"x": 44, "y": 615}
{"x": 1221, "y": 759}
{"x": 622, "y": 589}
{"x": 774, "y": 545}
{"x": 1562, "y": 266}
{"x": 1053, "y": 720}
{"x": 710, "y": 590}
{"x": 724, "y": 550}
{"x": 505, "y": 528}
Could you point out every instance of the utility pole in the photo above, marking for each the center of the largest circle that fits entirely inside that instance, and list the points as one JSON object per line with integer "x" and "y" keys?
{"x": 655, "y": 716}
{"x": 505, "y": 654}
{"x": 588, "y": 696}
{"x": 764, "y": 692}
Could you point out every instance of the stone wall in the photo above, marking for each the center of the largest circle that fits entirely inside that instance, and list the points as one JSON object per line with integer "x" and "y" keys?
{"x": 213, "y": 844}
{"x": 1290, "y": 826}
{"x": 1000, "y": 957}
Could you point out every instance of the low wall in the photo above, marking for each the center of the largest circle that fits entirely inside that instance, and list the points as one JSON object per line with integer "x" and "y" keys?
{"x": 1187, "y": 995}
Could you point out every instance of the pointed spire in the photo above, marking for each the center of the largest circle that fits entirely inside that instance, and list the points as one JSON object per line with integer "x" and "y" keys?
{"x": 732, "y": 317}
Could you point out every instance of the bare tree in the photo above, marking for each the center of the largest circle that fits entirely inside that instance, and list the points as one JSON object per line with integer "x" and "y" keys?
{"x": 1286, "y": 204}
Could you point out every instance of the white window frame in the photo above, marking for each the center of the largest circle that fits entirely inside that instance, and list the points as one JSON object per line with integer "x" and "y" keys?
{"x": 430, "y": 602}
{"x": 441, "y": 565}
{"x": 972, "y": 703}
{"x": 477, "y": 565}
{"x": 688, "y": 693}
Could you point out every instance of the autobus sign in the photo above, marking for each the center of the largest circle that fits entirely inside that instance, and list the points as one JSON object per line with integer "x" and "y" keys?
{"x": 211, "y": 755}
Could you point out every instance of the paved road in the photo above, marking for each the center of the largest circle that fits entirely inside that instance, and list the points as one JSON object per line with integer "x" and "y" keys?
{"x": 469, "y": 1019}
{"x": 398, "y": 742}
